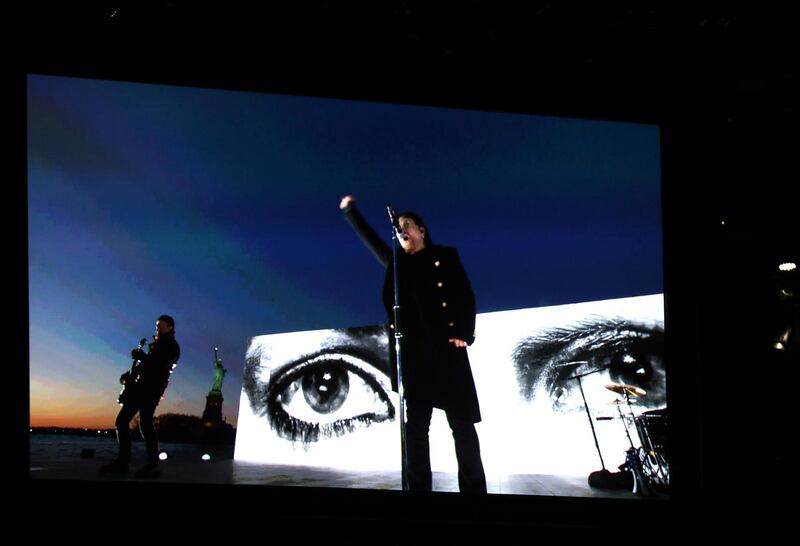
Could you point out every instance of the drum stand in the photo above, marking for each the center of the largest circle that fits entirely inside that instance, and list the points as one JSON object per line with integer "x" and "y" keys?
{"x": 632, "y": 461}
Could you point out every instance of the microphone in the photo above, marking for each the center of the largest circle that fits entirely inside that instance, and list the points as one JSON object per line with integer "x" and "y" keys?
{"x": 395, "y": 222}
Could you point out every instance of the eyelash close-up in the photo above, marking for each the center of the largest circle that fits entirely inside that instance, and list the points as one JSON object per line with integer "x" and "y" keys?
{"x": 631, "y": 352}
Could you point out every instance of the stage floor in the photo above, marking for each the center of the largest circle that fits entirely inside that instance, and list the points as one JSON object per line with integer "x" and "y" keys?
{"x": 228, "y": 471}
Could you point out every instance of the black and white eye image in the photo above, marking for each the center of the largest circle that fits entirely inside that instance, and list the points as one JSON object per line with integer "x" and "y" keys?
{"x": 319, "y": 396}
{"x": 620, "y": 351}
{"x": 527, "y": 364}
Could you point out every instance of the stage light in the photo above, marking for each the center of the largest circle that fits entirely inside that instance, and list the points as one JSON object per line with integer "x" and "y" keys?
{"x": 787, "y": 266}
{"x": 206, "y": 457}
{"x": 782, "y": 341}
{"x": 163, "y": 456}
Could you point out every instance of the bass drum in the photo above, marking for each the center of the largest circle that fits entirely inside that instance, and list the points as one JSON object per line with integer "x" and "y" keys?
{"x": 653, "y": 453}
{"x": 652, "y": 428}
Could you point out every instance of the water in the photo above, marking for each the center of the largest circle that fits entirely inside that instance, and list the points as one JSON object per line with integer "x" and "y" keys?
{"x": 49, "y": 449}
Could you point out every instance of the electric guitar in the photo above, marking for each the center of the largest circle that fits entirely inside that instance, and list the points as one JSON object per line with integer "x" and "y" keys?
{"x": 130, "y": 378}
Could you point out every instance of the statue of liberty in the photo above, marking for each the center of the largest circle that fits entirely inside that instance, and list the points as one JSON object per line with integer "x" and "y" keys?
{"x": 216, "y": 429}
{"x": 219, "y": 372}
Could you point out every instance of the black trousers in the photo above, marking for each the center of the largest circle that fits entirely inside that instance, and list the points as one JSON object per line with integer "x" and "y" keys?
{"x": 146, "y": 407}
{"x": 471, "y": 477}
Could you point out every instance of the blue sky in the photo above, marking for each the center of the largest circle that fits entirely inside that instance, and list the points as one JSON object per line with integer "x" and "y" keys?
{"x": 221, "y": 209}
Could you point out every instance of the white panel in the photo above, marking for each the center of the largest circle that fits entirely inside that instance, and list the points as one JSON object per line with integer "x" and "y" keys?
{"x": 537, "y": 433}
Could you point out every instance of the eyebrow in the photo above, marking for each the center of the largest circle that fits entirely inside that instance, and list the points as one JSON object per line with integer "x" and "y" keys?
{"x": 370, "y": 343}
{"x": 368, "y": 357}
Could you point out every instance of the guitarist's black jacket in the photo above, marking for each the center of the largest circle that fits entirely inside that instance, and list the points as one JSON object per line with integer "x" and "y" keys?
{"x": 157, "y": 365}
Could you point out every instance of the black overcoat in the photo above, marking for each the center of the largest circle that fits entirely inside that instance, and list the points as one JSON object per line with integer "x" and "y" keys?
{"x": 437, "y": 304}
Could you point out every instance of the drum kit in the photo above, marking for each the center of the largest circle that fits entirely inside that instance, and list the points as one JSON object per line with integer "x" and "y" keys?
{"x": 647, "y": 458}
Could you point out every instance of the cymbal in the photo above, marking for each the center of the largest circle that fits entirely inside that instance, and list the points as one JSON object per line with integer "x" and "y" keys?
{"x": 622, "y": 389}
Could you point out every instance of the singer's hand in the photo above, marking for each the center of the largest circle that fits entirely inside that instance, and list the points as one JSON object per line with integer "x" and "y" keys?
{"x": 346, "y": 200}
{"x": 457, "y": 342}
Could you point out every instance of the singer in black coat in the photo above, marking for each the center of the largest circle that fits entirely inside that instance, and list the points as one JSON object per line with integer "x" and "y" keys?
{"x": 437, "y": 316}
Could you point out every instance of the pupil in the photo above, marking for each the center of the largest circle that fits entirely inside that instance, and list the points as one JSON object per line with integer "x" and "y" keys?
{"x": 631, "y": 368}
{"x": 325, "y": 387}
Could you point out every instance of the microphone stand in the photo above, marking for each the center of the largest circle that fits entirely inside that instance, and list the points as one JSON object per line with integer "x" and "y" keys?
{"x": 398, "y": 335}
{"x": 589, "y": 415}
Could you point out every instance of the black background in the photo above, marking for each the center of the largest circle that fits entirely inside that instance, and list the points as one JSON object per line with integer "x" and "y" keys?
{"x": 722, "y": 82}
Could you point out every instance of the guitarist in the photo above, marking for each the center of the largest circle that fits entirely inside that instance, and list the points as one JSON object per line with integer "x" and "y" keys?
{"x": 144, "y": 387}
